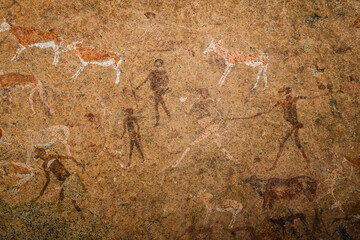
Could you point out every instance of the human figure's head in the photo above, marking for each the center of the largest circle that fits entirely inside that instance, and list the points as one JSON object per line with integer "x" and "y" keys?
{"x": 39, "y": 153}
{"x": 129, "y": 111}
{"x": 149, "y": 16}
{"x": 285, "y": 90}
{"x": 158, "y": 63}
{"x": 204, "y": 92}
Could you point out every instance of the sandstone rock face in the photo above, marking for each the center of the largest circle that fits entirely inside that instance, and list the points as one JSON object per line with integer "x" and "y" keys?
{"x": 179, "y": 119}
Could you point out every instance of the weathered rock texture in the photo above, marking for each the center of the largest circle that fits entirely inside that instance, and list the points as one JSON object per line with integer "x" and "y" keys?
{"x": 207, "y": 170}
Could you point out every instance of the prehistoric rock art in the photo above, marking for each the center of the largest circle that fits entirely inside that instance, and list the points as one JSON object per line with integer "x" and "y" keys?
{"x": 231, "y": 58}
{"x": 131, "y": 125}
{"x": 354, "y": 88}
{"x": 46, "y": 137}
{"x": 9, "y": 169}
{"x": 228, "y": 205}
{"x": 282, "y": 222}
{"x": 249, "y": 229}
{"x": 289, "y": 105}
{"x": 158, "y": 83}
{"x": 332, "y": 178}
{"x": 288, "y": 189}
{"x": 32, "y": 37}
{"x": 211, "y": 127}
{"x": 353, "y": 160}
{"x": 52, "y": 164}
{"x": 89, "y": 55}
{"x": 13, "y": 79}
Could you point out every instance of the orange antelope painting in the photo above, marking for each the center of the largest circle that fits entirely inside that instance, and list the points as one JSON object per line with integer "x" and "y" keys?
{"x": 89, "y": 55}
{"x": 32, "y": 37}
{"x": 14, "y": 79}
{"x": 231, "y": 58}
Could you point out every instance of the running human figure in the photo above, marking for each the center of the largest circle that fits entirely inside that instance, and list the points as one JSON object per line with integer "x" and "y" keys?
{"x": 290, "y": 115}
{"x": 129, "y": 124}
{"x": 210, "y": 126}
{"x": 158, "y": 83}
{"x": 70, "y": 184}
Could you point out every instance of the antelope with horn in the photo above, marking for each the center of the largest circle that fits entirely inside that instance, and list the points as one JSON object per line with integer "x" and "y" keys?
{"x": 232, "y": 57}
{"x": 89, "y": 55}
{"x": 33, "y": 37}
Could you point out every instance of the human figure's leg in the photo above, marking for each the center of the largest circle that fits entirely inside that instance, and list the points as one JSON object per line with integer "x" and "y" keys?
{"x": 298, "y": 144}
{"x": 281, "y": 147}
{"x": 61, "y": 199}
{"x": 205, "y": 135}
{"x": 132, "y": 142}
{"x": 161, "y": 100}
{"x": 157, "y": 114}
{"x": 139, "y": 149}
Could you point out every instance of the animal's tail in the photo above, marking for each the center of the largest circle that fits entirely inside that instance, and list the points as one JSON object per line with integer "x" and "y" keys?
{"x": 120, "y": 59}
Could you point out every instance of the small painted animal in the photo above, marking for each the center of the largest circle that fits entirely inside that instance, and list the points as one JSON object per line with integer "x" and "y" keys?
{"x": 228, "y": 205}
{"x": 89, "y": 55}
{"x": 14, "y": 79}
{"x": 232, "y": 57}
{"x": 33, "y": 37}
{"x": 288, "y": 189}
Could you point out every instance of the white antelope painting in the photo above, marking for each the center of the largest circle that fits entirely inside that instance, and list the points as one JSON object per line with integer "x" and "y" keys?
{"x": 89, "y": 55}
{"x": 14, "y": 79}
{"x": 32, "y": 37}
{"x": 231, "y": 58}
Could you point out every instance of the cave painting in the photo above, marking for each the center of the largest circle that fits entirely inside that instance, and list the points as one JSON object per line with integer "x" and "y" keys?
{"x": 69, "y": 183}
{"x": 131, "y": 125}
{"x": 159, "y": 81}
{"x": 227, "y": 205}
{"x": 89, "y": 55}
{"x": 232, "y": 57}
{"x": 45, "y": 138}
{"x": 276, "y": 188}
{"x": 354, "y": 87}
{"x": 32, "y": 37}
{"x": 14, "y": 79}
{"x": 289, "y": 105}
{"x": 212, "y": 129}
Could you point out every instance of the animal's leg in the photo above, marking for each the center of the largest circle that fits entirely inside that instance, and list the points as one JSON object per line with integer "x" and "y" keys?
{"x": 298, "y": 144}
{"x": 31, "y": 101}
{"x": 257, "y": 79}
{"x": 57, "y": 55}
{"x": 18, "y": 51}
{"x": 223, "y": 150}
{"x": 224, "y": 75}
{"x": 205, "y": 135}
{"x": 282, "y": 143}
{"x": 118, "y": 72}
{"x": 265, "y": 77}
{"x": 83, "y": 65}
{"x": 41, "y": 95}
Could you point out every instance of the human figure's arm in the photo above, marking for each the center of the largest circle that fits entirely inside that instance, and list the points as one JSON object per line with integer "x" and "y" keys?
{"x": 47, "y": 175}
{"x": 259, "y": 113}
{"x": 306, "y": 97}
{"x": 147, "y": 79}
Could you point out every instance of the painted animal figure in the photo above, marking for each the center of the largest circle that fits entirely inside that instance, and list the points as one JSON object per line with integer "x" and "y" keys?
{"x": 89, "y": 55}
{"x": 231, "y": 58}
{"x": 14, "y": 79}
{"x": 228, "y": 205}
{"x": 288, "y": 189}
{"x": 33, "y": 37}
{"x": 46, "y": 137}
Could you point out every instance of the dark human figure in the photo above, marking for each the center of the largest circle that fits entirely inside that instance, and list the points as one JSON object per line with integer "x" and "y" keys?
{"x": 332, "y": 102}
{"x": 130, "y": 123}
{"x": 290, "y": 115}
{"x": 52, "y": 164}
{"x": 158, "y": 83}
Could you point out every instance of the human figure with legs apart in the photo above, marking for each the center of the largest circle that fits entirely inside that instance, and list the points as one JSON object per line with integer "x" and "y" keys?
{"x": 131, "y": 125}
{"x": 289, "y": 105}
{"x": 71, "y": 185}
{"x": 211, "y": 128}
{"x": 158, "y": 83}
